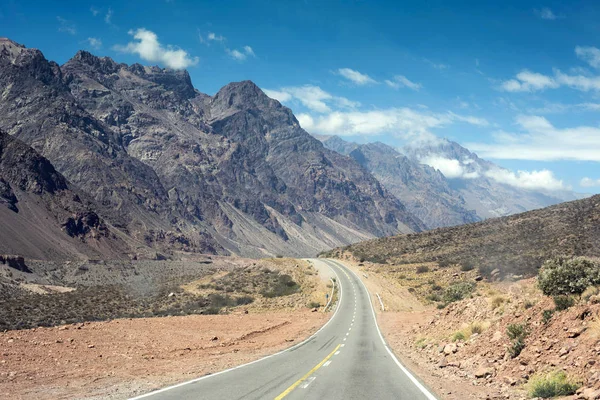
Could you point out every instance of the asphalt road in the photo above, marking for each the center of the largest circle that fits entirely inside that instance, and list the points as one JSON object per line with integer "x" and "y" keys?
{"x": 346, "y": 359}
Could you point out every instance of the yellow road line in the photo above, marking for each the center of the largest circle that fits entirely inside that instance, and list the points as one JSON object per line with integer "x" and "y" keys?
{"x": 309, "y": 373}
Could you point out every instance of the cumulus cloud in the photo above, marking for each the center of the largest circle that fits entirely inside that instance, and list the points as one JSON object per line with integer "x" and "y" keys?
{"x": 589, "y": 54}
{"x": 241, "y": 55}
{"x": 356, "y": 77}
{"x": 94, "y": 42}
{"x": 546, "y": 13}
{"x": 211, "y": 37}
{"x": 533, "y": 180}
{"x": 406, "y": 123}
{"x": 66, "y": 26}
{"x": 589, "y": 182}
{"x": 312, "y": 97}
{"x": 451, "y": 168}
{"x": 402, "y": 81}
{"x": 147, "y": 46}
{"x": 538, "y": 139}
{"x": 94, "y": 11}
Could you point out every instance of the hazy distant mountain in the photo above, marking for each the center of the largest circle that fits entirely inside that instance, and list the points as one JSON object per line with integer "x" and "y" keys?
{"x": 465, "y": 195}
{"x": 487, "y": 196}
{"x": 231, "y": 173}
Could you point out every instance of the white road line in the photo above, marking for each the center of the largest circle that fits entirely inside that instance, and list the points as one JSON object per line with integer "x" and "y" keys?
{"x": 308, "y": 382}
{"x": 336, "y": 353}
{"x": 342, "y": 345}
{"x": 345, "y": 339}
{"x": 327, "y": 363}
{"x": 414, "y": 380}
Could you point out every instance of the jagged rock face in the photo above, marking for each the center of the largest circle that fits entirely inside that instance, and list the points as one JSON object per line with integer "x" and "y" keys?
{"x": 40, "y": 210}
{"x": 423, "y": 190}
{"x": 229, "y": 173}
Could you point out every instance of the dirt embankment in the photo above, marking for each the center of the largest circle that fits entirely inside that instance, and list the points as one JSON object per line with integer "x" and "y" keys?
{"x": 464, "y": 350}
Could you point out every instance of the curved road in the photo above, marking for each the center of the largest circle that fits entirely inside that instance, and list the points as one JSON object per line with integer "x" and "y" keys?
{"x": 346, "y": 359}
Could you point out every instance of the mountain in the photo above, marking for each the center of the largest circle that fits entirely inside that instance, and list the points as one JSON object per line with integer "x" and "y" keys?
{"x": 229, "y": 173}
{"x": 488, "y": 196}
{"x": 517, "y": 244}
{"x": 43, "y": 216}
{"x": 424, "y": 190}
{"x": 468, "y": 186}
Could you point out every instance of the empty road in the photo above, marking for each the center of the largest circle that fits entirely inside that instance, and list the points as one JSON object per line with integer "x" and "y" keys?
{"x": 346, "y": 359}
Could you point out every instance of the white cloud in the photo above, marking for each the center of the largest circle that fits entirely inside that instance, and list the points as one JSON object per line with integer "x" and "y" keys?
{"x": 148, "y": 48}
{"x": 356, "y": 77}
{"x": 546, "y": 13}
{"x": 527, "y": 81}
{"x": 241, "y": 55}
{"x": 94, "y": 42}
{"x": 538, "y": 139}
{"x": 66, "y": 26}
{"x": 108, "y": 16}
{"x": 402, "y": 81}
{"x": 469, "y": 119}
{"x": 214, "y": 37}
{"x": 534, "y": 180}
{"x": 590, "y": 55}
{"x": 402, "y": 122}
{"x": 94, "y": 11}
{"x": 311, "y": 97}
{"x": 451, "y": 168}
{"x": 435, "y": 65}
{"x": 282, "y": 97}
{"x": 589, "y": 182}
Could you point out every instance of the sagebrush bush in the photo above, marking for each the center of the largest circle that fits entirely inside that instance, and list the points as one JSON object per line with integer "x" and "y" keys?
{"x": 547, "y": 316}
{"x": 458, "y": 291}
{"x": 562, "y": 276}
{"x": 497, "y": 301}
{"x": 563, "y": 302}
{"x": 552, "y": 384}
{"x": 517, "y": 333}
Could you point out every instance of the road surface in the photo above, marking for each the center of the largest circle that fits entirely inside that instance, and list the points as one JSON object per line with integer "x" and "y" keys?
{"x": 346, "y": 359}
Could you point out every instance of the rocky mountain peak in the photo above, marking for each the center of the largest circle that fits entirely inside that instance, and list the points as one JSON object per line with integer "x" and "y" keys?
{"x": 10, "y": 49}
{"x": 103, "y": 64}
{"x": 242, "y": 96}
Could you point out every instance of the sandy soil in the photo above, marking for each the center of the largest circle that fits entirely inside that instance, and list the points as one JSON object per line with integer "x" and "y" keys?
{"x": 121, "y": 358}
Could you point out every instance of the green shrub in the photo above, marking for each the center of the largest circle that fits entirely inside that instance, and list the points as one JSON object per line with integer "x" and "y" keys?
{"x": 458, "y": 291}
{"x": 458, "y": 335}
{"x": 516, "y": 347}
{"x": 552, "y": 384}
{"x": 476, "y": 327}
{"x": 515, "y": 331}
{"x": 528, "y": 304}
{"x": 563, "y": 302}
{"x": 547, "y": 316}
{"x": 314, "y": 304}
{"x": 422, "y": 269}
{"x": 433, "y": 297}
{"x": 561, "y": 276}
{"x": 243, "y": 300}
{"x": 280, "y": 285}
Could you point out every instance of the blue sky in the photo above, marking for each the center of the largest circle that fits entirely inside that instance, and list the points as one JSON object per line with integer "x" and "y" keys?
{"x": 517, "y": 82}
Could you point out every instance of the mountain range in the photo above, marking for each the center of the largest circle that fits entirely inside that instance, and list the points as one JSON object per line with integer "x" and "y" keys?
{"x": 467, "y": 195}
{"x": 166, "y": 167}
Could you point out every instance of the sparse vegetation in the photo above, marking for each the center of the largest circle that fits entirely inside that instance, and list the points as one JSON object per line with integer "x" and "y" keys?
{"x": 562, "y": 276}
{"x": 563, "y": 302}
{"x": 457, "y": 291}
{"x": 552, "y": 384}
{"x": 547, "y": 316}
{"x": 497, "y": 301}
{"x": 458, "y": 335}
{"x": 528, "y": 304}
{"x": 589, "y": 292}
{"x": 517, "y": 333}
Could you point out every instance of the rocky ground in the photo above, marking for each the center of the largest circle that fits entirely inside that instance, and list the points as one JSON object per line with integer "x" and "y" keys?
{"x": 462, "y": 351}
